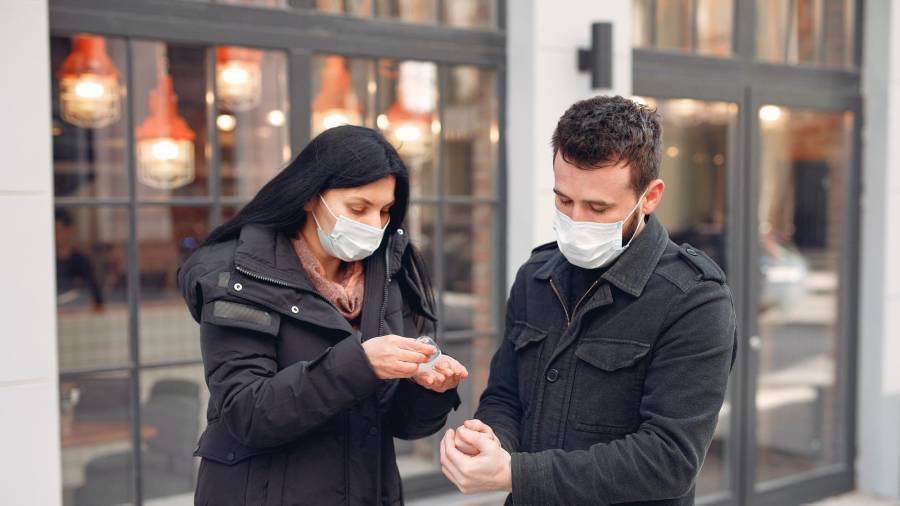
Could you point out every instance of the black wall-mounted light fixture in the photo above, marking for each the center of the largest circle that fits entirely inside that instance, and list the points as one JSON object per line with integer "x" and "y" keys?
{"x": 598, "y": 58}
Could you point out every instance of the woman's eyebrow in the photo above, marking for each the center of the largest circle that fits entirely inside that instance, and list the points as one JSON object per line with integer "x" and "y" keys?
{"x": 366, "y": 201}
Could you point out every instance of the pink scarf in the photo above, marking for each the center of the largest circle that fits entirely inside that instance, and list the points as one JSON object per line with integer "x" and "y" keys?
{"x": 346, "y": 294}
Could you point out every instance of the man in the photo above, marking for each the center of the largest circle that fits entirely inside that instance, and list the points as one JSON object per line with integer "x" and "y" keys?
{"x": 608, "y": 383}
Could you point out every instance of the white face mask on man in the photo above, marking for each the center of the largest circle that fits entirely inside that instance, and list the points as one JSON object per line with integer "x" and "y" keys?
{"x": 349, "y": 240}
{"x": 590, "y": 245}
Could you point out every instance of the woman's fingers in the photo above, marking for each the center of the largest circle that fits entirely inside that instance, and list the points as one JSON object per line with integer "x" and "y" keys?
{"x": 413, "y": 345}
{"x": 404, "y": 355}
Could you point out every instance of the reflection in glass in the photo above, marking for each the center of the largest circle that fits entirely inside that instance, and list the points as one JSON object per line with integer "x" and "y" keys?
{"x": 471, "y": 134}
{"x": 686, "y": 26}
{"x": 90, "y": 90}
{"x": 806, "y": 32}
{"x": 410, "y": 11}
{"x": 166, "y": 237}
{"x": 408, "y": 117}
{"x": 238, "y": 77}
{"x": 468, "y": 257}
{"x": 89, "y": 156}
{"x": 170, "y": 107}
{"x": 173, "y": 403}
{"x": 696, "y": 152}
{"x": 805, "y": 156}
{"x": 254, "y": 3}
{"x": 95, "y": 437}
{"x": 471, "y": 13}
{"x": 253, "y": 135}
{"x": 353, "y": 7}
{"x": 91, "y": 273}
{"x": 343, "y": 92}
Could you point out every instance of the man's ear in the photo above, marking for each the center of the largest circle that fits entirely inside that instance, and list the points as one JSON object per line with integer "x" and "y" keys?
{"x": 654, "y": 195}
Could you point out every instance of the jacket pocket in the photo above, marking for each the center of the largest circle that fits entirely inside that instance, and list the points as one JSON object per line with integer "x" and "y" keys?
{"x": 607, "y": 388}
{"x": 233, "y": 474}
{"x": 529, "y": 347}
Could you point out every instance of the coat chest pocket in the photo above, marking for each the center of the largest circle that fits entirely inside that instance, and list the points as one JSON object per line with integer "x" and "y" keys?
{"x": 607, "y": 390}
{"x": 529, "y": 346}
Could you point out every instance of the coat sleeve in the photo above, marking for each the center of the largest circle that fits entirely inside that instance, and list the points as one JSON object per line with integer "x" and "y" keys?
{"x": 415, "y": 411}
{"x": 683, "y": 392}
{"x": 262, "y": 406}
{"x": 500, "y": 406}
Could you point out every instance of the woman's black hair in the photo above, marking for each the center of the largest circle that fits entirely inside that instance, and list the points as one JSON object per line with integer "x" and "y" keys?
{"x": 342, "y": 157}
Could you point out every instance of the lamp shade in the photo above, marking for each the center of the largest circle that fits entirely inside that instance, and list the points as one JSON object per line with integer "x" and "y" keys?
{"x": 336, "y": 103}
{"x": 90, "y": 93}
{"x": 165, "y": 142}
{"x": 238, "y": 78}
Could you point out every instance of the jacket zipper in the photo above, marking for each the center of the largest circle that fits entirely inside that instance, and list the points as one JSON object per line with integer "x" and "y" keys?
{"x": 346, "y": 458}
{"x": 387, "y": 276}
{"x": 562, "y": 301}
{"x": 262, "y": 277}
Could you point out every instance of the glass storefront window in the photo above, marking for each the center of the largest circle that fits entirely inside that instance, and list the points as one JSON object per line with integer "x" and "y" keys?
{"x": 167, "y": 235}
{"x": 408, "y": 11}
{"x": 252, "y": 119}
{"x": 89, "y": 116}
{"x": 408, "y": 118}
{"x": 471, "y": 134}
{"x": 697, "y": 150}
{"x": 455, "y": 13}
{"x": 173, "y": 407}
{"x": 352, "y": 7}
{"x": 343, "y": 91}
{"x": 471, "y": 13}
{"x": 209, "y": 126}
{"x": 170, "y": 111}
{"x": 96, "y": 432}
{"x": 805, "y": 159}
{"x": 818, "y": 33}
{"x": 91, "y": 281}
{"x": 687, "y": 26}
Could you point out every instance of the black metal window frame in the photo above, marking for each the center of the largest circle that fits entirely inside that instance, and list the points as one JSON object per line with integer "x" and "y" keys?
{"x": 749, "y": 82}
{"x": 301, "y": 33}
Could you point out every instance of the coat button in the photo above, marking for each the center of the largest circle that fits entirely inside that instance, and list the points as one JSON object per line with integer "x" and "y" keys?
{"x": 373, "y": 430}
{"x": 691, "y": 251}
{"x": 295, "y": 309}
{"x": 230, "y": 456}
{"x": 238, "y": 287}
{"x": 400, "y": 231}
{"x": 552, "y": 375}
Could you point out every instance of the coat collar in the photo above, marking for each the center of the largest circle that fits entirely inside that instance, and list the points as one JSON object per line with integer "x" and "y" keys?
{"x": 268, "y": 252}
{"x": 631, "y": 271}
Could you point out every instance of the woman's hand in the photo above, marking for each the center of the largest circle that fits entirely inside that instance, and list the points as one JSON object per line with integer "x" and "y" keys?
{"x": 445, "y": 375}
{"x": 395, "y": 357}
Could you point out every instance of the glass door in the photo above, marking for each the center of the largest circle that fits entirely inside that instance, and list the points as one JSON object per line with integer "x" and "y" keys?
{"x": 800, "y": 313}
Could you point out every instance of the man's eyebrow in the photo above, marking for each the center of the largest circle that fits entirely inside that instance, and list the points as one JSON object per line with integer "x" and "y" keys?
{"x": 601, "y": 203}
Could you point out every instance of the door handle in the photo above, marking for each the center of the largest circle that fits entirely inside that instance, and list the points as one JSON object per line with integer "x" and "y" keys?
{"x": 755, "y": 343}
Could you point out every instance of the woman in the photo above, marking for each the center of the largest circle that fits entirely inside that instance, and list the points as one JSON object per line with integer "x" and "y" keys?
{"x": 302, "y": 299}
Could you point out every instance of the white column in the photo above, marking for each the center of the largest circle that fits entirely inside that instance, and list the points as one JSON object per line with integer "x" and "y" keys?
{"x": 878, "y": 465}
{"x": 29, "y": 434}
{"x": 543, "y": 81}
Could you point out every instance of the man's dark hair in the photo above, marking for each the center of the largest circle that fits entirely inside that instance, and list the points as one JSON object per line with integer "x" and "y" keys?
{"x": 603, "y": 131}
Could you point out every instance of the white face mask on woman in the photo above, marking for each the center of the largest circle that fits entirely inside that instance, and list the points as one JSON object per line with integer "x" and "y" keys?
{"x": 349, "y": 240}
{"x": 590, "y": 245}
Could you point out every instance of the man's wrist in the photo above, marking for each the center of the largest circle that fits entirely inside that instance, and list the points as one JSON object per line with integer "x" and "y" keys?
{"x": 506, "y": 473}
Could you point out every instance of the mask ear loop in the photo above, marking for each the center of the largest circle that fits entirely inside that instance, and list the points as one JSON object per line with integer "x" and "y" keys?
{"x": 329, "y": 211}
{"x": 640, "y": 223}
